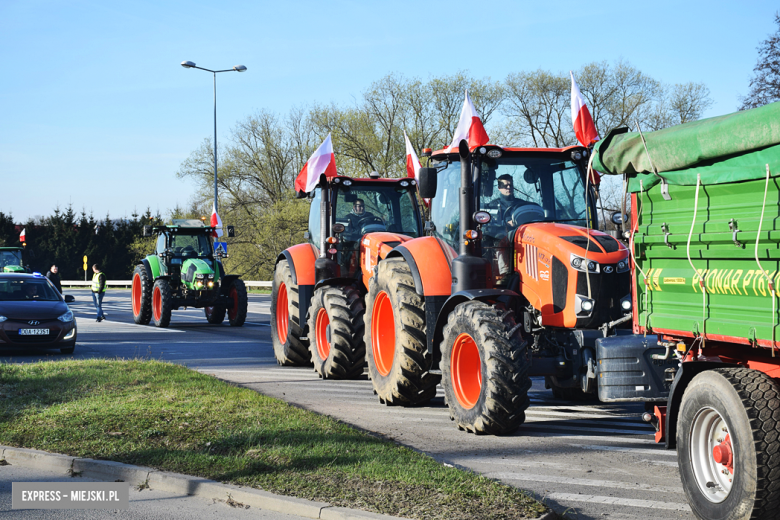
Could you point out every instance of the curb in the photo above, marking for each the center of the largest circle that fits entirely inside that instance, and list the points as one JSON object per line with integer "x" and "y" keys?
{"x": 194, "y": 486}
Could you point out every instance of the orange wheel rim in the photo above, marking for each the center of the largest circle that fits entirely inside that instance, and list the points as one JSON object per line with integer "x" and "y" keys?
{"x": 233, "y": 312}
{"x": 282, "y": 314}
{"x": 321, "y": 334}
{"x": 383, "y": 333}
{"x": 136, "y": 295}
{"x": 466, "y": 371}
{"x": 157, "y": 304}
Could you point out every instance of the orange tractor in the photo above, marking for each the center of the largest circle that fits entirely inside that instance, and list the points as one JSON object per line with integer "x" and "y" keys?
{"x": 317, "y": 300}
{"x": 511, "y": 282}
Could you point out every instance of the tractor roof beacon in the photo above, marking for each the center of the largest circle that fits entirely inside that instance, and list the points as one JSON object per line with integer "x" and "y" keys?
{"x": 185, "y": 271}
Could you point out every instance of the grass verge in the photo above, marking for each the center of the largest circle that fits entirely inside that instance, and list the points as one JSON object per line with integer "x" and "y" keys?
{"x": 168, "y": 417}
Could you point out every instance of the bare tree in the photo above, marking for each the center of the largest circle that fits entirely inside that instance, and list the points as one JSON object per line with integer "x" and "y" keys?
{"x": 765, "y": 84}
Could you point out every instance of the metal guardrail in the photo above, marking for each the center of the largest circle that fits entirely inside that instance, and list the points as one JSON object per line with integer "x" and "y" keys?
{"x": 129, "y": 283}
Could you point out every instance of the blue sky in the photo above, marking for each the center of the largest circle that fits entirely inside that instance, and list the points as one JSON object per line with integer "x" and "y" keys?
{"x": 98, "y": 113}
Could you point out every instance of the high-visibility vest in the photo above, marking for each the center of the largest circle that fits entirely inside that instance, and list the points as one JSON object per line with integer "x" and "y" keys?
{"x": 96, "y": 282}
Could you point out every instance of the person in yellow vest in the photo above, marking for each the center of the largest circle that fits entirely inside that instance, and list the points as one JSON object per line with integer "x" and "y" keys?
{"x": 98, "y": 291}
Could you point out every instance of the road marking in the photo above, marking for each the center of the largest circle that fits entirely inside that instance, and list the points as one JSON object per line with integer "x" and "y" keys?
{"x": 536, "y": 477}
{"x": 629, "y": 502}
{"x": 659, "y": 451}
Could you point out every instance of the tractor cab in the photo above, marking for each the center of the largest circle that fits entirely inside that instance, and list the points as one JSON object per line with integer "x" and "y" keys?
{"x": 11, "y": 260}
{"x": 348, "y": 215}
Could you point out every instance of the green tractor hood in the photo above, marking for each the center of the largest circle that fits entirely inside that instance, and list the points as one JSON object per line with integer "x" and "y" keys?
{"x": 197, "y": 274}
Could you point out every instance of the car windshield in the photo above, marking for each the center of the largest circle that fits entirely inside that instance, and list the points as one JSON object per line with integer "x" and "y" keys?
{"x": 379, "y": 207}
{"x": 190, "y": 245}
{"x": 10, "y": 258}
{"x": 27, "y": 290}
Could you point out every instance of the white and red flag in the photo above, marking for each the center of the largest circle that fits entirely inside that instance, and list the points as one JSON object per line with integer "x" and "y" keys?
{"x": 215, "y": 222}
{"x": 584, "y": 128}
{"x": 322, "y": 161}
{"x": 469, "y": 127}
{"x": 21, "y": 235}
{"x": 412, "y": 162}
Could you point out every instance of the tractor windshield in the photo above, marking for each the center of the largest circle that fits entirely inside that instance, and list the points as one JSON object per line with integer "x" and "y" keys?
{"x": 190, "y": 245}
{"x": 515, "y": 189}
{"x": 10, "y": 258}
{"x": 378, "y": 207}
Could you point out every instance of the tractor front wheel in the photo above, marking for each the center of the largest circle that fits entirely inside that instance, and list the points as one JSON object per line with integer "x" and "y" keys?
{"x": 162, "y": 303}
{"x": 237, "y": 312}
{"x": 141, "y": 296}
{"x": 286, "y": 329}
{"x": 336, "y": 333}
{"x": 216, "y": 314}
{"x": 396, "y": 342}
{"x": 728, "y": 431}
{"x": 484, "y": 369}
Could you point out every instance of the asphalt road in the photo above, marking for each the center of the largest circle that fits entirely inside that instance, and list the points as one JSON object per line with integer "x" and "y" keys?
{"x": 592, "y": 460}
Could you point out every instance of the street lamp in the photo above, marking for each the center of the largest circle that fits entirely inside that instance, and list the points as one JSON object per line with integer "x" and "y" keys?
{"x": 237, "y": 68}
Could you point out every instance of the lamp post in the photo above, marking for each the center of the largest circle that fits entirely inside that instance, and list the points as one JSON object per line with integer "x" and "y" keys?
{"x": 237, "y": 68}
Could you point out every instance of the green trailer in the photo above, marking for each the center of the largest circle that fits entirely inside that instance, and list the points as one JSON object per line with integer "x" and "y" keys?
{"x": 12, "y": 260}
{"x": 705, "y": 242}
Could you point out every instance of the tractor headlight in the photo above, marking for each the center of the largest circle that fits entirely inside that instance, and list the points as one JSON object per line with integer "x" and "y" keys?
{"x": 587, "y": 306}
{"x": 583, "y": 306}
{"x": 625, "y": 303}
{"x": 579, "y": 263}
{"x": 622, "y": 266}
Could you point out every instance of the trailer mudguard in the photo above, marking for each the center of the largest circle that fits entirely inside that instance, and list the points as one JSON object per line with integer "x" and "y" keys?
{"x": 436, "y": 333}
{"x": 430, "y": 260}
{"x": 301, "y": 259}
{"x": 687, "y": 372}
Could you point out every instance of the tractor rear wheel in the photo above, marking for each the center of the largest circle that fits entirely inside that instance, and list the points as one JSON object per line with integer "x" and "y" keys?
{"x": 286, "y": 329}
{"x": 216, "y": 314}
{"x": 141, "y": 296}
{"x": 237, "y": 312}
{"x": 162, "y": 303}
{"x": 395, "y": 337}
{"x": 485, "y": 369}
{"x": 728, "y": 444}
{"x": 336, "y": 333}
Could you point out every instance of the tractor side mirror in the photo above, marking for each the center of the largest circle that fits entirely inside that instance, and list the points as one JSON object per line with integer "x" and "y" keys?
{"x": 147, "y": 231}
{"x": 69, "y": 298}
{"x": 617, "y": 218}
{"x": 231, "y": 231}
{"x": 426, "y": 182}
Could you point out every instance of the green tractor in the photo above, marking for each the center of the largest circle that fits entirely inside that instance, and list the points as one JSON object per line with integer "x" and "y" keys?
{"x": 11, "y": 260}
{"x": 186, "y": 271}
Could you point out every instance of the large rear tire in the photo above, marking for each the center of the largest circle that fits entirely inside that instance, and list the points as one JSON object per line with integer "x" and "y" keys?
{"x": 286, "y": 330}
{"x": 336, "y": 331}
{"x": 395, "y": 337}
{"x": 728, "y": 445}
{"x": 237, "y": 312}
{"x": 484, "y": 369}
{"x": 162, "y": 303}
{"x": 141, "y": 296}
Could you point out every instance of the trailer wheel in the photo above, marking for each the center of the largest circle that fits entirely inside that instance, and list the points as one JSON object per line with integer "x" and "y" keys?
{"x": 237, "y": 312}
{"x": 485, "y": 369}
{"x": 286, "y": 330}
{"x": 141, "y": 296}
{"x": 728, "y": 445}
{"x": 162, "y": 303}
{"x": 395, "y": 337}
{"x": 216, "y": 314}
{"x": 336, "y": 333}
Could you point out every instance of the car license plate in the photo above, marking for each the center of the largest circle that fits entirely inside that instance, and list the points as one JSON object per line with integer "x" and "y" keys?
{"x": 33, "y": 332}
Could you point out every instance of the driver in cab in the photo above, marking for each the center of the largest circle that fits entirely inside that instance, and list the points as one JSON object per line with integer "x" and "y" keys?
{"x": 358, "y": 217}
{"x": 506, "y": 202}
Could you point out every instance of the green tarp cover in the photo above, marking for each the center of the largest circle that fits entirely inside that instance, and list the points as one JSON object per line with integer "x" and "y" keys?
{"x": 731, "y": 148}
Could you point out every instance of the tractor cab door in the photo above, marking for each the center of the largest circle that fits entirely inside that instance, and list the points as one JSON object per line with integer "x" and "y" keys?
{"x": 160, "y": 249}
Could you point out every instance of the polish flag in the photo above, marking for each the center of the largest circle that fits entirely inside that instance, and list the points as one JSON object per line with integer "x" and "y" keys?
{"x": 412, "y": 162}
{"x": 21, "y": 235}
{"x": 322, "y": 161}
{"x": 216, "y": 222}
{"x": 469, "y": 127}
{"x": 584, "y": 128}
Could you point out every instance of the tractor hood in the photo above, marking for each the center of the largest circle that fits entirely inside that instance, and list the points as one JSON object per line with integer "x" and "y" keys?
{"x": 194, "y": 269}
{"x": 13, "y": 269}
